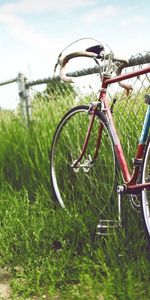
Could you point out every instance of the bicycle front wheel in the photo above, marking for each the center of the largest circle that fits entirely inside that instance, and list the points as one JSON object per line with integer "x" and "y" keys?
{"x": 90, "y": 185}
{"x": 146, "y": 192}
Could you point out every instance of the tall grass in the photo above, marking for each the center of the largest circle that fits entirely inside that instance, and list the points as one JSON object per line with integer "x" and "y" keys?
{"x": 49, "y": 251}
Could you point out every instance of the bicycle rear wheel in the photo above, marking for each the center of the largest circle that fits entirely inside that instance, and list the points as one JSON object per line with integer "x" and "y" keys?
{"x": 146, "y": 192}
{"x": 90, "y": 186}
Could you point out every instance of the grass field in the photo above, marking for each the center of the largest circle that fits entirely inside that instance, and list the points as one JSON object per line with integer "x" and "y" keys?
{"x": 50, "y": 253}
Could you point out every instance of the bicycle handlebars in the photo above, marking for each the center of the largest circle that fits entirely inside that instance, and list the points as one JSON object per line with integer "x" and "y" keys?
{"x": 68, "y": 57}
{"x": 123, "y": 62}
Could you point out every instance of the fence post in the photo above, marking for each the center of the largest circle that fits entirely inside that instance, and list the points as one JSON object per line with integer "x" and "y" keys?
{"x": 24, "y": 97}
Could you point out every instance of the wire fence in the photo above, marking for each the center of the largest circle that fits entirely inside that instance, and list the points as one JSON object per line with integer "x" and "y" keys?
{"x": 129, "y": 110}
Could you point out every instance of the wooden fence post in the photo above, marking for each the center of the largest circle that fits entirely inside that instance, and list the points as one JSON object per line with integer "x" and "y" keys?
{"x": 24, "y": 97}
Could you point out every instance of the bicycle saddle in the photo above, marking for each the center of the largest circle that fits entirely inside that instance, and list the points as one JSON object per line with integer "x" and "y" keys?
{"x": 96, "y": 49}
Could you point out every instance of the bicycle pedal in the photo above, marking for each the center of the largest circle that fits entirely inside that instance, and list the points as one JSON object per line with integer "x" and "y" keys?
{"x": 106, "y": 227}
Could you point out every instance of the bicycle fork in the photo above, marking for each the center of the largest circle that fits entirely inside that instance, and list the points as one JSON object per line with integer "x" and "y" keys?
{"x": 76, "y": 164}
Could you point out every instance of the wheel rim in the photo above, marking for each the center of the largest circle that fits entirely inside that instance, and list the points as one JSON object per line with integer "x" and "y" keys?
{"x": 92, "y": 185}
{"x": 146, "y": 193}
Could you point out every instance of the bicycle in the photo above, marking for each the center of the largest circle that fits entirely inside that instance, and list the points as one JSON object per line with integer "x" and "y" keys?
{"x": 86, "y": 152}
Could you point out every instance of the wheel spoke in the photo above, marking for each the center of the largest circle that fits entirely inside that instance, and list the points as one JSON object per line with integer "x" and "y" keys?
{"x": 90, "y": 185}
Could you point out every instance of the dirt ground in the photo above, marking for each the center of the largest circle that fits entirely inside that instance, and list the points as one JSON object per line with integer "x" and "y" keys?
{"x": 5, "y": 289}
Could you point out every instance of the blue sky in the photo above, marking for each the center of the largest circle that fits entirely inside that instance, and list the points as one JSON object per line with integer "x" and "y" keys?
{"x": 34, "y": 32}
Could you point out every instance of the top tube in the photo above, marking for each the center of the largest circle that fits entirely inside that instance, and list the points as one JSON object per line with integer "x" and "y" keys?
{"x": 122, "y": 77}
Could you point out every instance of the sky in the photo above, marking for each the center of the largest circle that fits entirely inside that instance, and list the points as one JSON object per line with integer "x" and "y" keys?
{"x": 33, "y": 33}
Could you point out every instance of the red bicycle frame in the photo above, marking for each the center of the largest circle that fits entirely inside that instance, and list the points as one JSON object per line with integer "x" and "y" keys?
{"x": 130, "y": 180}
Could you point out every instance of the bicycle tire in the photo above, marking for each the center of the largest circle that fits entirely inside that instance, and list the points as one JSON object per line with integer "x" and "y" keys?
{"x": 82, "y": 190}
{"x": 146, "y": 193}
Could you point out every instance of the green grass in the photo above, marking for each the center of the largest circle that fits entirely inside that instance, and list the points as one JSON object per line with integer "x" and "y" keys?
{"x": 49, "y": 251}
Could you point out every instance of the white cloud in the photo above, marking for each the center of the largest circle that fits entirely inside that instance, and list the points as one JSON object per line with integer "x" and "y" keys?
{"x": 25, "y": 33}
{"x": 11, "y": 16}
{"x": 19, "y": 29}
{"x": 39, "y": 54}
{"x": 40, "y": 50}
{"x": 10, "y": 19}
{"x": 135, "y": 20}
{"x": 101, "y": 14}
{"x": 43, "y": 6}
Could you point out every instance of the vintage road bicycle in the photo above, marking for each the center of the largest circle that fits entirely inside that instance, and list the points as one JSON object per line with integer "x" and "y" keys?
{"x": 86, "y": 151}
